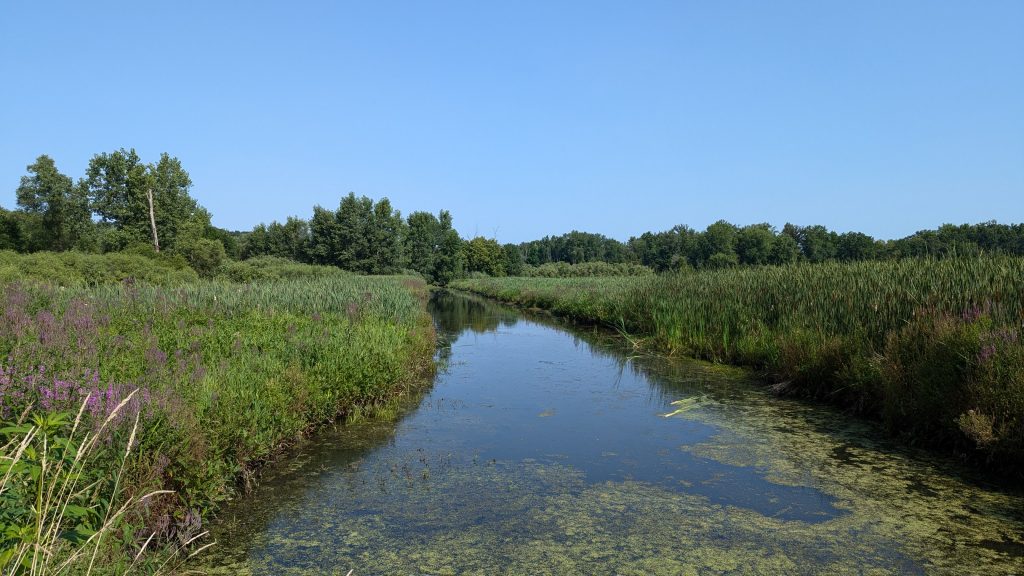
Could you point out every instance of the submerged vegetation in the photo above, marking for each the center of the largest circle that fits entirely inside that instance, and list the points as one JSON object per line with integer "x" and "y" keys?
{"x": 737, "y": 483}
{"x": 932, "y": 347}
{"x": 190, "y": 388}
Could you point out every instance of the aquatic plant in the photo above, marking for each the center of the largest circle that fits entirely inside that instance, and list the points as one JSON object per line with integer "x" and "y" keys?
{"x": 922, "y": 344}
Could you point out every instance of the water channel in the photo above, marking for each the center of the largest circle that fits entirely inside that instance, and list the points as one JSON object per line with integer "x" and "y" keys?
{"x": 547, "y": 449}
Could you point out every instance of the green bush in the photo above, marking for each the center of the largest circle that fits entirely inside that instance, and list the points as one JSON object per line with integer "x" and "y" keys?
{"x": 275, "y": 268}
{"x": 76, "y": 269}
{"x": 205, "y": 256}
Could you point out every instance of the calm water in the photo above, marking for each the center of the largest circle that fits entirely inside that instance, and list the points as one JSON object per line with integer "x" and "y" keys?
{"x": 544, "y": 450}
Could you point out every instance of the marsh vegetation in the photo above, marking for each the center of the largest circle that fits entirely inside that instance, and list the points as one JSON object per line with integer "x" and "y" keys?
{"x": 931, "y": 347}
{"x": 547, "y": 449}
{"x": 154, "y": 364}
{"x": 190, "y": 388}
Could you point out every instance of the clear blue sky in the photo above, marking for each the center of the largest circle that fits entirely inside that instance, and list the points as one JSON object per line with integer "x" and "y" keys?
{"x": 534, "y": 118}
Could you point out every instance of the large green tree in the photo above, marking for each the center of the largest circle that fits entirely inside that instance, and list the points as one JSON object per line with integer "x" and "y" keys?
{"x": 354, "y": 235}
{"x": 754, "y": 244}
{"x": 422, "y": 242}
{"x": 484, "y": 255}
{"x": 388, "y": 230}
{"x": 120, "y": 187}
{"x": 323, "y": 237}
{"x": 57, "y": 209}
{"x": 12, "y": 236}
{"x": 448, "y": 262}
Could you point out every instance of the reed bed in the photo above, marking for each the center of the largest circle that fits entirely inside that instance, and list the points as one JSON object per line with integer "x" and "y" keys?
{"x": 932, "y": 347}
{"x": 221, "y": 377}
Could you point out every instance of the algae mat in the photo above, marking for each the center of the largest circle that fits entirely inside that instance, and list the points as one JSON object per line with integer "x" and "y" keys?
{"x": 542, "y": 450}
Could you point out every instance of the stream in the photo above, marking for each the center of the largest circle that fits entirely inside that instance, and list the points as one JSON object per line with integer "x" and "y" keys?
{"x": 543, "y": 448}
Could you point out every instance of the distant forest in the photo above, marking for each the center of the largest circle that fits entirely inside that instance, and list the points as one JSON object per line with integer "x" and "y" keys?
{"x": 123, "y": 204}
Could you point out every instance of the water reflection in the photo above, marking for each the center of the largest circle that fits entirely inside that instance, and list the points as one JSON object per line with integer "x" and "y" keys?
{"x": 541, "y": 450}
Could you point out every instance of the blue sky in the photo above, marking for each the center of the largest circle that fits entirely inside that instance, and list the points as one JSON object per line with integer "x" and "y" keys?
{"x": 538, "y": 117}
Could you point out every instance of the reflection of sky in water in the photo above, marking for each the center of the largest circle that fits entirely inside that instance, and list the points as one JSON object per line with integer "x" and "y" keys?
{"x": 525, "y": 416}
{"x": 530, "y": 392}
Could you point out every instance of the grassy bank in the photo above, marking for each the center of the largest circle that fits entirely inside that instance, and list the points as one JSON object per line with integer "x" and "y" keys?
{"x": 183, "y": 389}
{"x": 931, "y": 347}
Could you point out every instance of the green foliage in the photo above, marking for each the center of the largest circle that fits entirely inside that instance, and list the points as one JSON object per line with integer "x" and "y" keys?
{"x": 289, "y": 240}
{"x": 232, "y": 241}
{"x": 353, "y": 234}
{"x": 273, "y": 268}
{"x": 422, "y": 243}
{"x": 75, "y": 269}
{"x": 12, "y": 231}
{"x": 574, "y": 248}
{"x": 361, "y": 236}
{"x": 64, "y": 505}
{"x": 432, "y": 247}
{"x": 323, "y": 237}
{"x": 449, "y": 263}
{"x": 931, "y": 346}
{"x": 513, "y": 260}
{"x": 58, "y": 211}
{"x": 205, "y": 256}
{"x": 118, "y": 184}
{"x": 953, "y": 376}
{"x": 754, "y": 244}
{"x": 484, "y": 255}
{"x": 228, "y": 374}
{"x": 586, "y": 269}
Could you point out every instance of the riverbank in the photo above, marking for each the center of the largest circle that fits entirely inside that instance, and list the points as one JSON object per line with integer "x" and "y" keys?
{"x": 932, "y": 348}
{"x": 184, "y": 392}
{"x": 545, "y": 448}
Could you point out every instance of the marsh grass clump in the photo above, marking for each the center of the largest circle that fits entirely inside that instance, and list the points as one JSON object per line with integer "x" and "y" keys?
{"x": 66, "y": 506}
{"x": 220, "y": 377}
{"x": 931, "y": 347}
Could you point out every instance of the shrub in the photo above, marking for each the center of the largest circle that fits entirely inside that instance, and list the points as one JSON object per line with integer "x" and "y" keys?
{"x": 205, "y": 256}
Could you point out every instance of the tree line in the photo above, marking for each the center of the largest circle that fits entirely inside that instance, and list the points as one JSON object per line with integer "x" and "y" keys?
{"x": 121, "y": 203}
{"x": 723, "y": 245}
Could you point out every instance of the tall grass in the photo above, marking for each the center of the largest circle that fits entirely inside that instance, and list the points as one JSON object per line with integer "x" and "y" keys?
{"x": 226, "y": 376}
{"x": 932, "y": 347}
{"x": 52, "y": 520}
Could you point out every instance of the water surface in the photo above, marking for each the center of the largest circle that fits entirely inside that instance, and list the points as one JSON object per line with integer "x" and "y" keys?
{"x": 542, "y": 449}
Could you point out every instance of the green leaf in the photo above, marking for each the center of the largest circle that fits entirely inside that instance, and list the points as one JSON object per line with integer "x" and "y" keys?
{"x": 73, "y": 511}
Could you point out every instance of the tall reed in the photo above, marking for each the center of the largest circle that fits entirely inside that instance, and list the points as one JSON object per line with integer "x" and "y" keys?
{"x": 932, "y": 347}
{"x": 221, "y": 377}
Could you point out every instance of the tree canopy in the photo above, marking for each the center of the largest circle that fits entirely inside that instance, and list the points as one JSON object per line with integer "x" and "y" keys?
{"x": 110, "y": 209}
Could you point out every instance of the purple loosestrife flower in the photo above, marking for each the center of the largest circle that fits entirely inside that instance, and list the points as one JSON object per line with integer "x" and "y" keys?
{"x": 156, "y": 357}
{"x": 987, "y": 352}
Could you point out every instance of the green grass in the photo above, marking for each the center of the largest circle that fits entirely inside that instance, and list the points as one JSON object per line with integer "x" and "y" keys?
{"x": 932, "y": 347}
{"x": 228, "y": 376}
